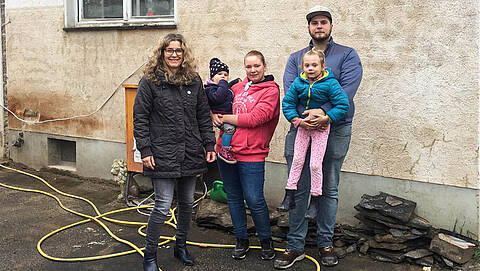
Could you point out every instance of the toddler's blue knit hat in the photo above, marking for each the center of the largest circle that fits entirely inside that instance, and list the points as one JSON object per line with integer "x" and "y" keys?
{"x": 217, "y": 66}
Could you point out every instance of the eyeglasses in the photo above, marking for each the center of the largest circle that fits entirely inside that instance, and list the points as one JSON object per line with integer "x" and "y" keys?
{"x": 170, "y": 51}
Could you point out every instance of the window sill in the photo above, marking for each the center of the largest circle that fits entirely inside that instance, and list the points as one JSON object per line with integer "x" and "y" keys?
{"x": 121, "y": 26}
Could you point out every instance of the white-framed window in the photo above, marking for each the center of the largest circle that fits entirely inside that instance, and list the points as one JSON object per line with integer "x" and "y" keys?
{"x": 119, "y": 13}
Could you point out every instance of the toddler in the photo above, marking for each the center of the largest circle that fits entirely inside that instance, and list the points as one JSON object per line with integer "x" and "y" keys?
{"x": 220, "y": 99}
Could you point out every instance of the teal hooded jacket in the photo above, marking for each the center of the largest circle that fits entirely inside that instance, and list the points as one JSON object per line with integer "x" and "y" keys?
{"x": 314, "y": 95}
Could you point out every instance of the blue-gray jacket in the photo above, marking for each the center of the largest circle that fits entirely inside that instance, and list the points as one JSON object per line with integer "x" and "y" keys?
{"x": 315, "y": 94}
{"x": 345, "y": 65}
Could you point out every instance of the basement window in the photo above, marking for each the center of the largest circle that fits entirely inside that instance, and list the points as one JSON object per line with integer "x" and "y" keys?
{"x": 119, "y": 14}
{"x": 62, "y": 154}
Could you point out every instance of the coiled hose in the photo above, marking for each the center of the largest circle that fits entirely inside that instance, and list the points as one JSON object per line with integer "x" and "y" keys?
{"x": 171, "y": 222}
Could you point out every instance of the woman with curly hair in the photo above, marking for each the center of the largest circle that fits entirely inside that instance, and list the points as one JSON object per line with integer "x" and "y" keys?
{"x": 174, "y": 134}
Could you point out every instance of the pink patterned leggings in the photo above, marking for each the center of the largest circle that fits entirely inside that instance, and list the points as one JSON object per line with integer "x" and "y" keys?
{"x": 319, "y": 145}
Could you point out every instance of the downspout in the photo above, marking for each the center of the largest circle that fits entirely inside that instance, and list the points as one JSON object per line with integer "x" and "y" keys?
{"x": 478, "y": 124}
{"x": 3, "y": 82}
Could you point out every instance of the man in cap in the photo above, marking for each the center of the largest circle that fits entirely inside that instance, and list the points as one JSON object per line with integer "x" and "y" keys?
{"x": 347, "y": 68}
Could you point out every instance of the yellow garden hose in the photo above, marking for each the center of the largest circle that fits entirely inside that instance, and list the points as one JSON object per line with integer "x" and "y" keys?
{"x": 171, "y": 222}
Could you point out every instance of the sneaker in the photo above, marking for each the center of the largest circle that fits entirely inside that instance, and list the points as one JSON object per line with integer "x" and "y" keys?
{"x": 241, "y": 249}
{"x": 268, "y": 252}
{"x": 226, "y": 155}
{"x": 327, "y": 256}
{"x": 288, "y": 258}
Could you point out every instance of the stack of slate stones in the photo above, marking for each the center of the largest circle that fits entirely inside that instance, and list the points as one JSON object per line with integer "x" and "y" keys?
{"x": 398, "y": 234}
{"x": 392, "y": 232}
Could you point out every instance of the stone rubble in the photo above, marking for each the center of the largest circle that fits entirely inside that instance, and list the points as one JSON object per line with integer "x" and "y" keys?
{"x": 398, "y": 234}
{"x": 390, "y": 231}
{"x": 452, "y": 248}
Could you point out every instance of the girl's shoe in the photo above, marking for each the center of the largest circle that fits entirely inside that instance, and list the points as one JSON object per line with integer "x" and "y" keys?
{"x": 313, "y": 208}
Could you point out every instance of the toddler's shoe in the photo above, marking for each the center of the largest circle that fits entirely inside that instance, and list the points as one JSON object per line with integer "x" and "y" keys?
{"x": 226, "y": 155}
{"x": 313, "y": 208}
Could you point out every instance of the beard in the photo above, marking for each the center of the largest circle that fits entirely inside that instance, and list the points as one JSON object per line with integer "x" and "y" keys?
{"x": 324, "y": 37}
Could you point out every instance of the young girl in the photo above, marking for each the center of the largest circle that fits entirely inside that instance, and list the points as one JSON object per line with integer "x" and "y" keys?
{"x": 220, "y": 99}
{"x": 313, "y": 88}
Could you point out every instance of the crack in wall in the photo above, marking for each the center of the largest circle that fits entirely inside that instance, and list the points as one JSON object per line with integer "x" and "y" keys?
{"x": 415, "y": 164}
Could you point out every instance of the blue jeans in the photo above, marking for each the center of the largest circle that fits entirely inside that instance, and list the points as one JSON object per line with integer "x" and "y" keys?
{"x": 164, "y": 189}
{"x": 337, "y": 147}
{"x": 244, "y": 181}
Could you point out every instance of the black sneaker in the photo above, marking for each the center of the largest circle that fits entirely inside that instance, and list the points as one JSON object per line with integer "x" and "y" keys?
{"x": 288, "y": 258}
{"x": 268, "y": 252}
{"x": 241, "y": 248}
{"x": 327, "y": 256}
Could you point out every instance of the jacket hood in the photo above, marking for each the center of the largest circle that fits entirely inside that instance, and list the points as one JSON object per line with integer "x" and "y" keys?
{"x": 327, "y": 74}
{"x": 209, "y": 81}
{"x": 267, "y": 82}
{"x": 268, "y": 77}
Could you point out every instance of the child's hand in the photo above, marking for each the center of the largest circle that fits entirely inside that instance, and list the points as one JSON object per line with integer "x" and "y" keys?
{"x": 234, "y": 82}
{"x": 306, "y": 125}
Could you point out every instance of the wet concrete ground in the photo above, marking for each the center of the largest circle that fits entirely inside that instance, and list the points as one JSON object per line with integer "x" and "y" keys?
{"x": 26, "y": 217}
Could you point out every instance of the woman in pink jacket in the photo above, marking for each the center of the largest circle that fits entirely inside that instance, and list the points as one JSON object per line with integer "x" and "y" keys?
{"x": 256, "y": 109}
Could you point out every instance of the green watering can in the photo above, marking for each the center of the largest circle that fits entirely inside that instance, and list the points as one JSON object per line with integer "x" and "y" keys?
{"x": 217, "y": 193}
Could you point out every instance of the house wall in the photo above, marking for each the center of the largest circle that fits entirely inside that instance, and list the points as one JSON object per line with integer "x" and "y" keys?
{"x": 2, "y": 97}
{"x": 416, "y": 109}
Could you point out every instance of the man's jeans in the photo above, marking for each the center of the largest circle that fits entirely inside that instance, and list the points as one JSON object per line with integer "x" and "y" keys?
{"x": 244, "y": 181}
{"x": 337, "y": 147}
{"x": 164, "y": 189}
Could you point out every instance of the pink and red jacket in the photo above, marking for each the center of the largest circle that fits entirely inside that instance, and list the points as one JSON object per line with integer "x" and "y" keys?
{"x": 258, "y": 109}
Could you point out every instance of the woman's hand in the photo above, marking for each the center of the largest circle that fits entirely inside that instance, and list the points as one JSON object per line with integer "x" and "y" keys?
{"x": 217, "y": 122}
{"x": 149, "y": 162}
{"x": 211, "y": 156}
{"x": 232, "y": 119}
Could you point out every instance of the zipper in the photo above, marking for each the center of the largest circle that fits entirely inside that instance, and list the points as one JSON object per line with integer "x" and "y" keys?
{"x": 310, "y": 88}
{"x": 309, "y": 93}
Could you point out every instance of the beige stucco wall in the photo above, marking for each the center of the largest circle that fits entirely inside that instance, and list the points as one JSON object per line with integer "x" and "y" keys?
{"x": 416, "y": 109}
{"x": 3, "y": 115}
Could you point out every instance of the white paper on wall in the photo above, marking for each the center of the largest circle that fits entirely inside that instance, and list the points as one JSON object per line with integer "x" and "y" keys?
{"x": 137, "y": 157}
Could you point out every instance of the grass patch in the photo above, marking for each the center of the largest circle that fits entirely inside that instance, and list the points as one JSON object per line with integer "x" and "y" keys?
{"x": 476, "y": 255}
